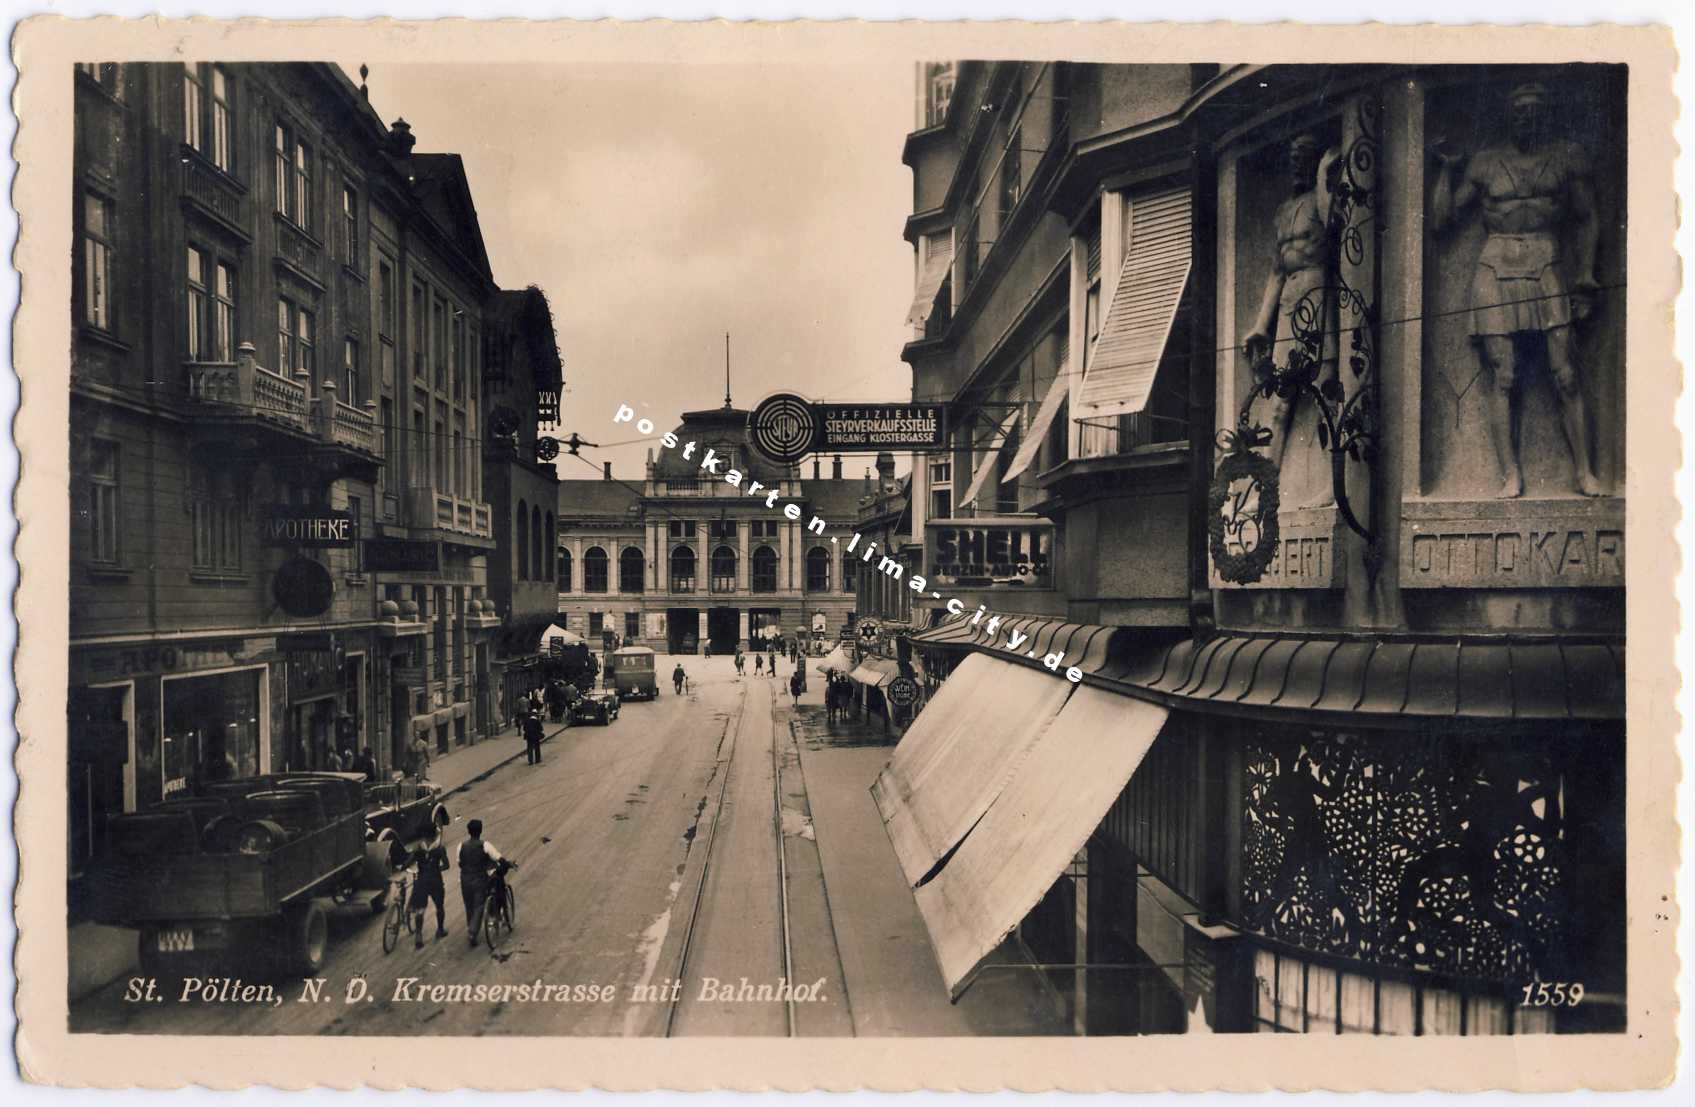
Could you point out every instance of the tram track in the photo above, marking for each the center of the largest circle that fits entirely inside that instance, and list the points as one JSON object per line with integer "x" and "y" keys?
{"x": 683, "y": 995}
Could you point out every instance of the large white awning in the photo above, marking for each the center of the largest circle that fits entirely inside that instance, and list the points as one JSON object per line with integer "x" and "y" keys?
{"x": 1056, "y": 795}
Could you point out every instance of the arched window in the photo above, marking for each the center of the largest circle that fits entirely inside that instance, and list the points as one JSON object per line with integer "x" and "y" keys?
{"x": 723, "y": 569}
{"x": 850, "y": 573}
{"x": 632, "y": 570}
{"x": 523, "y": 540}
{"x": 682, "y": 569}
{"x": 564, "y": 571}
{"x": 817, "y": 569}
{"x": 594, "y": 569}
{"x": 549, "y": 543}
{"x": 535, "y": 541}
{"x": 765, "y": 569}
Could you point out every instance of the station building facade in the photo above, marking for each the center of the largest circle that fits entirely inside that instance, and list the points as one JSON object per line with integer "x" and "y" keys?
{"x": 680, "y": 561}
{"x": 1344, "y": 749}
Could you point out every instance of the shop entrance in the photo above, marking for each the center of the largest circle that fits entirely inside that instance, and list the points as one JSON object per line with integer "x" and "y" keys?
{"x": 723, "y": 627}
{"x": 763, "y": 624}
{"x": 312, "y": 725}
{"x": 682, "y": 629}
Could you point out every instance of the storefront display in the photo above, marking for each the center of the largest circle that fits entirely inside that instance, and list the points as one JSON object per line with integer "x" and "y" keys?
{"x": 213, "y": 729}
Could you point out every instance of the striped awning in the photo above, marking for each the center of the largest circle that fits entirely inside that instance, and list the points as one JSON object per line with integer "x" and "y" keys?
{"x": 991, "y": 452}
{"x": 936, "y": 265}
{"x": 1126, "y": 356}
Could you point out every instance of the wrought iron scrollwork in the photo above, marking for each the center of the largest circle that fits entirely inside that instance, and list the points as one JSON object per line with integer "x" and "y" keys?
{"x": 1348, "y": 425}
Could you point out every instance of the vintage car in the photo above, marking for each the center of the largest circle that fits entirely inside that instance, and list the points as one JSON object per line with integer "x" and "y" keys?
{"x": 236, "y": 870}
{"x": 595, "y": 707}
{"x": 403, "y": 806}
{"x": 632, "y": 673}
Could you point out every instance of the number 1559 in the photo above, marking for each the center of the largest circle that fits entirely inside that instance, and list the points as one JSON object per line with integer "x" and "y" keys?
{"x": 1540, "y": 993}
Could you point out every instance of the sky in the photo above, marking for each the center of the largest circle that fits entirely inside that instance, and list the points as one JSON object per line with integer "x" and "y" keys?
{"x": 661, "y": 205}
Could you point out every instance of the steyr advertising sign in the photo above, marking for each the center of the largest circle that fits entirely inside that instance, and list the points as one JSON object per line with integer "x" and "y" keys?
{"x": 989, "y": 553}
{"x": 786, "y": 427}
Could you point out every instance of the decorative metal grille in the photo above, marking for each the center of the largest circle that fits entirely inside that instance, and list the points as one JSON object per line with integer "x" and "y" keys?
{"x": 1447, "y": 855}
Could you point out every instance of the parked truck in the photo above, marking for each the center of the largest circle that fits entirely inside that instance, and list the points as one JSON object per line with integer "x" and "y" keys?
{"x": 240, "y": 871}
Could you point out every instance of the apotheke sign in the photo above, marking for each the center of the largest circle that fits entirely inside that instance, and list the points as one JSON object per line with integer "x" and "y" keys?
{"x": 313, "y": 527}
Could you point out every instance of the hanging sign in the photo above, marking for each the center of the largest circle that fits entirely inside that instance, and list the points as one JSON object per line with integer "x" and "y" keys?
{"x": 1242, "y": 524}
{"x": 786, "y": 427}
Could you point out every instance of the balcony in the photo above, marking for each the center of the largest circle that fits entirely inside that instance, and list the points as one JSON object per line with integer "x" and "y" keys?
{"x": 429, "y": 509}
{"x": 1122, "y": 434}
{"x": 212, "y": 193}
{"x": 298, "y": 252}
{"x": 243, "y": 388}
{"x": 354, "y": 427}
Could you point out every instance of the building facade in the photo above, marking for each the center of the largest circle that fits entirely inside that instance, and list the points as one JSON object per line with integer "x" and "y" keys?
{"x": 681, "y": 561}
{"x": 521, "y": 387}
{"x": 279, "y": 536}
{"x": 1289, "y": 420}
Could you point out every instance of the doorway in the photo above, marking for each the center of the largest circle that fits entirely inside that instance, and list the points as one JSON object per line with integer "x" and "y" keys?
{"x": 683, "y": 629}
{"x": 723, "y": 627}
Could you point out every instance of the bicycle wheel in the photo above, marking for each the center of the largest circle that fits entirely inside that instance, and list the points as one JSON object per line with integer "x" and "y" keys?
{"x": 491, "y": 924}
{"x": 511, "y": 909}
{"x": 393, "y": 922}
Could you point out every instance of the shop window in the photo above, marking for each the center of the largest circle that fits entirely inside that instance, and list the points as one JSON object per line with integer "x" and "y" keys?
{"x": 764, "y": 569}
{"x": 817, "y": 569}
{"x": 632, "y": 570}
{"x": 595, "y": 570}
{"x": 211, "y": 730}
{"x": 723, "y": 569}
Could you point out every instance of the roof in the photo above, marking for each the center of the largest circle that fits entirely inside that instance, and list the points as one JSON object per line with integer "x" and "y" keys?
{"x": 444, "y": 192}
{"x": 724, "y": 431}
{"x": 525, "y": 311}
{"x": 597, "y": 499}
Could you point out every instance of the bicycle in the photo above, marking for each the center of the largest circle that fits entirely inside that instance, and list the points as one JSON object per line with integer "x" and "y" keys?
{"x": 500, "y": 906}
{"x": 399, "y": 918}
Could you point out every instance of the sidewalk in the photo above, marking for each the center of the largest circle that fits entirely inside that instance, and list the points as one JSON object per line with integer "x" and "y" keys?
{"x": 893, "y": 984}
{"x": 453, "y": 772}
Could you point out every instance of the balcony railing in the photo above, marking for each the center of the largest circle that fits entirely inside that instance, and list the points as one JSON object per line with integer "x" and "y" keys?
{"x": 1123, "y": 433}
{"x": 247, "y": 388}
{"x": 355, "y": 427}
{"x": 297, "y": 248}
{"x": 440, "y": 511}
{"x": 211, "y": 191}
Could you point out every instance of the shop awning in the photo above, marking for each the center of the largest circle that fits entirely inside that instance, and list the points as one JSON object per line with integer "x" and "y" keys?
{"x": 991, "y": 450}
{"x": 959, "y": 753}
{"x": 1085, "y": 645}
{"x": 1361, "y": 678}
{"x": 836, "y": 661}
{"x": 519, "y": 636}
{"x": 936, "y": 267}
{"x": 1126, "y": 355}
{"x": 554, "y": 630}
{"x": 876, "y": 671}
{"x": 1038, "y": 432}
{"x": 1058, "y": 793}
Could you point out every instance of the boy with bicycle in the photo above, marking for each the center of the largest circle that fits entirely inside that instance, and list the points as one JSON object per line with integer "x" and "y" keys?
{"x": 476, "y": 856}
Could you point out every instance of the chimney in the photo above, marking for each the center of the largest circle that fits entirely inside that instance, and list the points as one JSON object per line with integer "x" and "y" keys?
{"x": 885, "y": 467}
{"x": 606, "y": 470}
{"x": 836, "y": 469}
{"x": 401, "y": 139}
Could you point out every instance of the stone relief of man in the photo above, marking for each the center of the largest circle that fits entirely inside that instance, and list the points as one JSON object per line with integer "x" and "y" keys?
{"x": 1296, "y": 301}
{"x": 1531, "y": 188}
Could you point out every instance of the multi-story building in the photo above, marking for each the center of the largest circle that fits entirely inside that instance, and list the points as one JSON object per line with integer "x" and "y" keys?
{"x": 1322, "y": 702}
{"x": 681, "y": 560}
{"x": 279, "y": 533}
{"x": 521, "y": 385}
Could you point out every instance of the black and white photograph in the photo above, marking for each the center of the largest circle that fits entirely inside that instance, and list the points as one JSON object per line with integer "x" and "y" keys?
{"x": 1053, "y": 539}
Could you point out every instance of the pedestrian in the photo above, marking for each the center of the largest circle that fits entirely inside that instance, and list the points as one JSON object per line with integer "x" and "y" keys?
{"x": 678, "y": 678}
{"x": 738, "y": 661}
{"x": 532, "y": 737}
{"x": 794, "y": 686}
{"x": 367, "y": 764}
{"x": 430, "y": 856}
{"x": 420, "y": 752}
{"x": 771, "y": 663}
{"x": 475, "y": 857}
{"x": 333, "y": 763}
{"x": 758, "y": 664}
